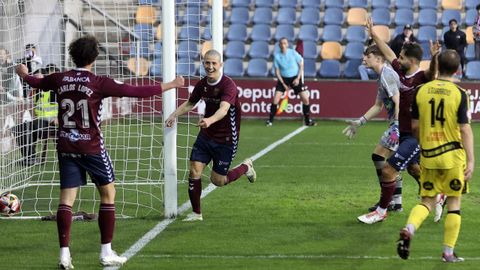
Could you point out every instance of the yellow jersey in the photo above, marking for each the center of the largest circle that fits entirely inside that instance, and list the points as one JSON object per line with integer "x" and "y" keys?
{"x": 441, "y": 106}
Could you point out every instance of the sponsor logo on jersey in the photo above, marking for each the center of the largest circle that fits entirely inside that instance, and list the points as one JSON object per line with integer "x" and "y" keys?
{"x": 428, "y": 185}
{"x": 455, "y": 184}
{"x": 75, "y": 136}
{"x": 76, "y": 79}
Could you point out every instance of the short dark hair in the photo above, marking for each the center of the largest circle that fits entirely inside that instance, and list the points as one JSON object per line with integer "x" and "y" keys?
{"x": 373, "y": 49}
{"x": 84, "y": 50}
{"x": 448, "y": 62}
{"x": 452, "y": 20}
{"x": 477, "y": 7}
{"x": 414, "y": 50}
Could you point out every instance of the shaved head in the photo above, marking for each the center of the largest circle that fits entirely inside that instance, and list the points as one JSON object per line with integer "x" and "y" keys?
{"x": 213, "y": 53}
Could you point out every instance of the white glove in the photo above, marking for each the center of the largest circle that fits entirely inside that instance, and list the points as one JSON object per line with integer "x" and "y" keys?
{"x": 352, "y": 127}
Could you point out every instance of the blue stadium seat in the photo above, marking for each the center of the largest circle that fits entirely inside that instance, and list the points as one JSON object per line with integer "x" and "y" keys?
{"x": 404, "y": 4}
{"x": 397, "y": 31}
{"x": 147, "y": 2}
{"x": 309, "y": 68}
{"x": 187, "y": 49}
{"x": 263, "y": 15}
{"x": 186, "y": 67}
{"x": 310, "y": 16}
{"x": 239, "y": 15}
{"x": 333, "y": 16}
{"x": 261, "y": 32}
{"x": 310, "y": 50}
{"x": 332, "y": 33}
{"x": 471, "y": 4}
{"x": 470, "y": 16}
{"x": 144, "y": 50}
{"x": 381, "y": 4}
{"x": 264, "y": 3}
{"x": 356, "y": 33}
{"x": 444, "y": 30}
{"x": 358, "y": 3}
{"x": 287, "y": 3}
{"x": 381, "y": 16}
{"x": 354, "y": 50}
{"x": 257, "y": 67}
{"x": 286, "y": 16}
{"x": 473, "y": 70}
{"x": 144, "y": 31}
{"x": 449, "y": 14}
{"x": 285, "y": 30}
{"x": 427, "y": 17}
{"x": 192, "y": 16}
{"x": 235, "y": 49}
{"x": 241, "y": 3}
{"x": 233, "y": 67}
{"x": 311, "y": 4}
{"x": 329, "y": 69}
{"x": 334, "y": 3}
{"x": 207, "y": 33}
{"x": 237, "y": 32}
{"x": 259, "y": 49}
{"x": 156, "y": 67}
{"x": 427, "y": 33}
{"x": 351, "y": 69}
{"x": 426, "y": 50}
{"x": 431, "y": 4}
{"x": 157, "y": 49}
{"x": 470, "y": 52}
{"x": 308, "y": 32}
{"x": 188, "y": 32}
{"x": 403, "y": 16}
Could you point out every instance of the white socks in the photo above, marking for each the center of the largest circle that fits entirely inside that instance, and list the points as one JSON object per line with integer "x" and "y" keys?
{"x": 65, "y": 253}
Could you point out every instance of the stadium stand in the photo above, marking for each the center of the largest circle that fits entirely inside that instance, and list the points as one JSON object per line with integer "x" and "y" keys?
{"x": 287, "y": 3}
{"x": 471, "y": 4}
{"x": 146, "y": 15}
{"x": 310, "y": 16}
{"x": 241, "y": 3}
{"x": 356, "y": 16}
{"x": 264, "y": 3}
{"x": 262, "y": 16}
{"x": 403, "y": 16}
{"x": 427, "y": 33}
{"x": 233, "y": 67}
{"x": 285, "y": 31}
{"x": 286, "y": 16}
{"x": 351, "y": 69}
{"x": 332, "y": 33}
{"x": 310, "y": 50}
{"x": 381, "y": 16}
{"x": 381, "y": 4}
{"x": 449, "y": 14}
{"x": 331, "y": 50}
{"x": 355, "y": 33}
{"x": 329, "y": 69}
{"x": 188, "y": 49}
{"x": 407, "y": 4}
{"x": 430, "y": 4}
{"x": 473, "y": 70}
{"x": 333, "y": 16}
{"x": 235, "y": 49}
{"x": 237, "y": 32}
{"x": 311, "y": 4}
{"x": 239, "y": 15}
{"x": 310, "y": 68}
{"x": 354, "y": 50}
{"x": 259, "y": 49}
{"x": 308, "y": 32}
{"x": 452, "y": 4}
{"x": 334, "y": 3}
{"x": 185, "y": 67}
{"x": 358, "y": 4}
{"x": 427, "y": 17}
{"x": 384, "y": 32}
{"x": 257, "y": 67}
{"x": 261, "y": 32}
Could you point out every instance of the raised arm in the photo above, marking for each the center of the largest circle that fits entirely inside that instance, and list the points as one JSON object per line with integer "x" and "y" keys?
{"x": 435, "y": 49}
{"x": 384, "y": 48}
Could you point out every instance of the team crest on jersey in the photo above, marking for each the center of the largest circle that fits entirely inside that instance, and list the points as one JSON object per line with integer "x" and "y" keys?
{"x": 428, "y": 185}
{"x": 216, "y": 91}
{"x": 455, "y": 184}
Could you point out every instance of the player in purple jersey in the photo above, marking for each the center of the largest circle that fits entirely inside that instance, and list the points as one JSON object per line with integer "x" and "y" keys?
{"x": 219, "y": 132}
{"x": 407, "y": 154}
{"x": 80, "y": 146}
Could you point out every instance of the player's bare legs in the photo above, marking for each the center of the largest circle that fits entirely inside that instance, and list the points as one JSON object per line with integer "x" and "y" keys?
{"x": 304, "y": 96}
{"x": 64, "y": 223}
{"x": 274, "y": 106}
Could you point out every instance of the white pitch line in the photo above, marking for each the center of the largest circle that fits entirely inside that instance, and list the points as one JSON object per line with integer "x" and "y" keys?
{"x": 162, "y": 225}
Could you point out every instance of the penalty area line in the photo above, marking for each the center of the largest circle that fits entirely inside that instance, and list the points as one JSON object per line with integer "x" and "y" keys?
{"x": 162, "y": 225}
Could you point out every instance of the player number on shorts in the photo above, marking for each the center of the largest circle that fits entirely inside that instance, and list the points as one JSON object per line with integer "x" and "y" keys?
{"x": 81, "y": 106}
{"x": 437, "y": 113}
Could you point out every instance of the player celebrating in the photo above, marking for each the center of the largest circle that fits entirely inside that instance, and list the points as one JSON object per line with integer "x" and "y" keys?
{"x": 80, "y": 145}
{"x": 388, "y": 95}
{"x": 406, "y": 156}
{"x": 441, "y": 122}
{"x": 219, "y": 132}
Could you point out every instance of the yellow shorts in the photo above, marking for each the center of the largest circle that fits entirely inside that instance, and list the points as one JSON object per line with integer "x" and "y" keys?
{"x": 447, "y": 181}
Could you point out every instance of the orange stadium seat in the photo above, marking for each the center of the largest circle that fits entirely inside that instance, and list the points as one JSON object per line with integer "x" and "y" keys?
{"x": 424, "y": 64}
{"x": 206, "y": 46}
{"x": 469, "y": 33}
{"x": 140, "y": 68}
{"x": 331, "y": 50}
{"x": 452, "y": 4}
{"x": 146, "y": 15}
{"x": 383, "y": 32}
{"x": 356, "y": 16}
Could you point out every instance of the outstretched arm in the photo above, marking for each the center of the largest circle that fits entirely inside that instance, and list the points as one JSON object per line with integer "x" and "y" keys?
{"x": 185, "y": 107}
{"x": 178, "y": 82}
{"x": 384, "y": 48}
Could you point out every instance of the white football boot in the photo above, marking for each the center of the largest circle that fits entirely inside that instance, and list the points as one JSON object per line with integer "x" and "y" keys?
{"x": 193, "y": 217}
{"x": 112, "y": 260}
{"x": 372, "y": 217}
{"x": 65, "y": 263}
{"x": 250, "y": 174}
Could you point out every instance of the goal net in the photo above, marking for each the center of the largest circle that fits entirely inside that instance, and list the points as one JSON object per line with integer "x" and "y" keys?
{"x": 132, "y": 50}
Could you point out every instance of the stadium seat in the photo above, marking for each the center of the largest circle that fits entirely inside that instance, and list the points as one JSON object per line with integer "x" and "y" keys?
{"x": 156, "y": 67}
{"x": 146, "y": 15}
{"x": 241, "y": 3}
{"x": 427, "y": 33}
{"x": 234, "y": 68}
{"x": 399, "y": 4}
{"x": 473, "y": 70}
{"x": 263, "y": 16}
{"x": 144, "y": 31}
{"x": 237, "y": 32}
{"x": 192, "y": 16}
{"x": 403, "y": 16}
{"x": 239, "y": 15}
{"x": 431, "y": 4}
{"x": 261, "y": 32}
{"x": 452, "y": 4}
{"x": 332, "y": 33}
{"x": 381, "y": 16}
{"x": 329, "y": 69}
{"x": 334, "y": 4}
{"x": 398, "y": 30}
{"x": 158, "y": 32}
{"x": 257, "y": 67}
{"x": 157, "y": 49}
{"x": 470, "y": 17}
{"x": 356, "y": 16}
{"x": 358, "y": 4}
{"x": 444, "y": 30}
{"x": 424, "y": 64}
{"x": 206, "y": 46}
{"x": 287, "y": 3}
{"x": 426, "y": 50}
{"x": 310, "y": 50}
{"x": 187, "y": 49}
{"x": 471, "y": 4}
{"x": 259, "y": 49}
{"x": 309, "y": 68}
{"x": 207, "y": 33}
{"x": 147, "y": 2}
{"x": 331, "y": 50}
{"x": 356, "y": 33}
{"x": 235, "y": 49}
{"x": 469, "y": 34}
{"x": 383, "y": 32}
{"x": 354, "y": 50}
{"x": 470, "y": 52}
{"x": 285, "y": 30}
{"x": 188, "y": 32}
{"x": 311, "y": 4}
{"x": 140, "y": 67}
{"x": 381, "y": 4}
{"x": 310, "y": 16}
{"x": 264, "y": 3}
{"x": 308, "y": 32}
{"x": 286, "y": 16}
{"x": 351, "y": 69}
{"x": 186, "y": 67}
{"x": 143, "y": 51}
{"x": 427, "y": 17}
{"x": 333, "y": 16}
{"x": 449, "y": 14}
